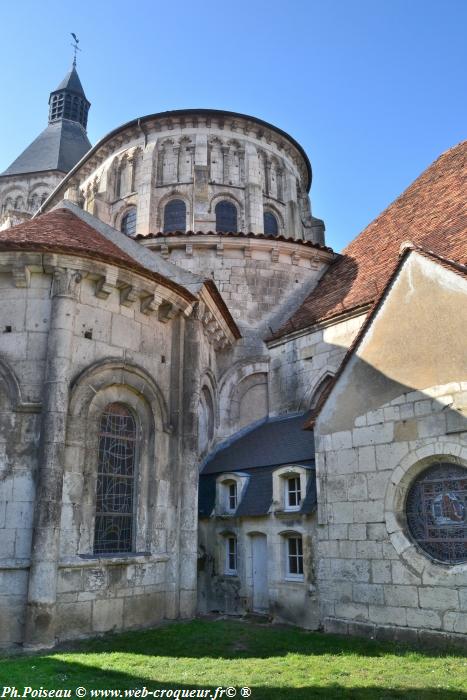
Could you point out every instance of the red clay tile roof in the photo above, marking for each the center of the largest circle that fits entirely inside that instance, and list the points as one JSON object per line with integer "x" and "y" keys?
{"x": 431, "y": 213}
{"x": 60, "y": 231}
{"x": 406, "y": 249}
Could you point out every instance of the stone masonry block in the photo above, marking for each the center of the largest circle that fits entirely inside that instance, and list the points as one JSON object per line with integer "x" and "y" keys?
{"x": 350, "y": 570}
{"x": 381, "y": 571}
{"x": 439, "y": 598}
{"x": 404, "y": 596}
{"x": 423, "y": 618}
{"x": 373, "y": 435}
{"x": 368, "y": 511}
{"x": 357, "y": 532}
{"x": 107, "y": 615}
{"x": 388, "y": 615}
{"x": 368, "y": 593}
{"x": 352, "y": 611}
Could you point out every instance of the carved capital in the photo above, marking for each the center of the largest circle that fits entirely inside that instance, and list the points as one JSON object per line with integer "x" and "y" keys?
{"x": 66, "y": 282}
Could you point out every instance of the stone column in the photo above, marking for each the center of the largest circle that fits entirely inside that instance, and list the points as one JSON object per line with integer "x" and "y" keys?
{"x": 200, "y": 202}
{"x": 188, "y": 473}
{"x": 145, "y": 181}
{"x": 292, "y": 215}
{"x": 42, "y": 591}
{"x": 253, "y": 191}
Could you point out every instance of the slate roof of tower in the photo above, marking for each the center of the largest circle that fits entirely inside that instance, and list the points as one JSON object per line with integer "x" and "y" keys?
{"x": 432, "y": 213}
{"x": 59, "y": 147}
{"x": 71, "y": 82}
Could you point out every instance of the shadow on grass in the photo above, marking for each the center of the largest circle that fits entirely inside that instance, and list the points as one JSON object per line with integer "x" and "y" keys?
{"x": 238, "y": 640}
{"x": 199, "y": 650}
{"x": 58, "y": 673}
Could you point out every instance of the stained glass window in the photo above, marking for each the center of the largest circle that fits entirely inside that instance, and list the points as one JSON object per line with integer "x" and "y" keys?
{"x": 115, "y": 481}
{"x": 129, "y": 222}
{"x": 270, "y": 224}
{"x": 226, "y": 217}
{"x": 436, "y": 510}
{"x": 175, "y": 216}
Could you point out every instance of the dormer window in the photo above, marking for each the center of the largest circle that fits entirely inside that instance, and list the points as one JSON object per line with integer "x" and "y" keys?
{"x": 232, "y": 504}
{"x": 229, "y": 491}
{"x": 289, "y": 487}
{"x": 293, "y": 493}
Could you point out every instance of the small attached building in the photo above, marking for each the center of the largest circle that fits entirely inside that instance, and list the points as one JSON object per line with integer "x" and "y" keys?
{"x": 257, "y": 542}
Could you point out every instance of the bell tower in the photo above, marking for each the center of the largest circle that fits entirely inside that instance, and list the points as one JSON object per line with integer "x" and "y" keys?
{"x": 68, "y": 100}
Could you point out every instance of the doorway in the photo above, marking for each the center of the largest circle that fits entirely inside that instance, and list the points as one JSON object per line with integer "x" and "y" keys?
{"x": 259, "y": 558}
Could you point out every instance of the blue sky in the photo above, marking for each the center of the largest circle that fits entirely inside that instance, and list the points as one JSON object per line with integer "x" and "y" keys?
{"x": 374, "y": 90}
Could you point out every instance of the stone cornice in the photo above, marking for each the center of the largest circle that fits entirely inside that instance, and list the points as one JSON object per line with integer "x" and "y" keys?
{"x": 287, "y": 251}
{"x": 133, "y": 290}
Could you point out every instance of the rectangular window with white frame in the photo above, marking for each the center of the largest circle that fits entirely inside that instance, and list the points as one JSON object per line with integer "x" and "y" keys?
{"x": 232, "y": 497}
{"x": 293, "y": 493}
{"x": 294, "y": 558}
{"x": 231, "y": 561}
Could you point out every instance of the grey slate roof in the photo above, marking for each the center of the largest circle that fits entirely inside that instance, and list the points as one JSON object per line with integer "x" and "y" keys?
{"x": 276, "y": 441}
{"x": 71, "y": 82}
{"x": 257, "y": 453}
{"x": 59, "y": 147}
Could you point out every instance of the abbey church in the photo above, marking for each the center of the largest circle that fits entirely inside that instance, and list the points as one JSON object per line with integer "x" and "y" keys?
{"x": 204, "y": 408}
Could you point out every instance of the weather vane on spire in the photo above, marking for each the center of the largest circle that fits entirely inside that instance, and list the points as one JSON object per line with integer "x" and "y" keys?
{"x": 76, "y": 47}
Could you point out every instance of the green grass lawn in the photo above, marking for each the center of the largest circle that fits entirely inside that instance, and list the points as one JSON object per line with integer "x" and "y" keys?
{"x": 276, "y": 662}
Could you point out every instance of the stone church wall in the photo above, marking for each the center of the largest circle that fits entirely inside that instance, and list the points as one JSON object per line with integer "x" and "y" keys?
{"x": 371, "y": 574}
{"x": 22, "y": 195}
{"x": 391, "y": 465}
{"x": 256, "y": 277}
{"x": 201, "y": 160}
{"x": 118, "y": 354}
{"x": 299, "y": 366}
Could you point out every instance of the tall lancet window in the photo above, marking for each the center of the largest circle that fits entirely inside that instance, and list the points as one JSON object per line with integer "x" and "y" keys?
{"x": 114, "y": 523}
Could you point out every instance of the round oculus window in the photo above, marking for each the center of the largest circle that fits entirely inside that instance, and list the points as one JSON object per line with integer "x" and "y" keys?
{"x": 436, "y": 510}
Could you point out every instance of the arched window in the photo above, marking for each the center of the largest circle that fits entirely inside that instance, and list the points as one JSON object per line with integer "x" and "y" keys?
{"x": 206, "y": 419}
{"x": 271, "y": 227}
{"x": 128, "y": 225}
{"x": 114, "y": 523}
{"x": 226, "y": 217}
{"x": 436, "y": 510}
{"x": 175, "y": 216}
